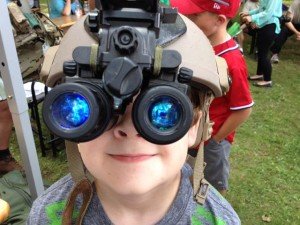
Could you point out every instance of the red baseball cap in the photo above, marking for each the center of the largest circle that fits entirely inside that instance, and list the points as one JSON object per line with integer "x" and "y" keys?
{"x": 229, "y": 8}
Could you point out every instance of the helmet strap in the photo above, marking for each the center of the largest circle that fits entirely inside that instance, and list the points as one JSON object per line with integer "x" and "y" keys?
{"x": 200, "y": 185}
{"x": 83, "y": 185}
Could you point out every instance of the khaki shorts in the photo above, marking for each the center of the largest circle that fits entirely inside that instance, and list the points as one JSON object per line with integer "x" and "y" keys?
{"x": 2, "y": 91}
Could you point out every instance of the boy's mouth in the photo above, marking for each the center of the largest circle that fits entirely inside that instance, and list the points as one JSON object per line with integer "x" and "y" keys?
{"x": 131, "y": 158}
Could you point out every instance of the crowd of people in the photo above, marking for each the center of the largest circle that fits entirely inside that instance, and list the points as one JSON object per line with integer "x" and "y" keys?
{"x": 122, "y": 193}
{"x": 58, "y": 8}
{"x": 273, "y": 22}
{"x": 267, "y": 21}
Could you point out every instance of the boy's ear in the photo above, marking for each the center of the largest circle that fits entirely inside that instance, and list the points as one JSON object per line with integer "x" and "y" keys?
{"x": 193, "y": 131}
{"x": 221, "y": 19}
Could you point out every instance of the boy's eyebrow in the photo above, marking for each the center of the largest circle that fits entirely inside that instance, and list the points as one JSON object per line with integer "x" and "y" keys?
{"x": 222, "y": 2}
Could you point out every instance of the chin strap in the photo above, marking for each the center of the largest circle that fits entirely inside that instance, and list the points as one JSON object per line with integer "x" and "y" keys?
{"x": 83, "y": 185}
{"x": 82, "y": 178}
{"x": 200, "y": 185}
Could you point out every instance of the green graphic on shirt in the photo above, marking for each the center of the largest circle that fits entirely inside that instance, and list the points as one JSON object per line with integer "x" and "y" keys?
{"x": 165, "y": 2}
{"x": 54, "y": 212}
{"x": 201, "y": 212}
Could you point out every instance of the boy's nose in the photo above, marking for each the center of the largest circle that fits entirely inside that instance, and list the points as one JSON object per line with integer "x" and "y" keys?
{"x": 125, "y": 128}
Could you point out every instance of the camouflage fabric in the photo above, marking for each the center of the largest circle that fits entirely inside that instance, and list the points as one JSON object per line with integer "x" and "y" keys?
{"x": 33, "y": 34}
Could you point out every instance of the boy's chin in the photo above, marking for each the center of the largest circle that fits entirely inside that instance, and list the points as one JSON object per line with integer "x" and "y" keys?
{"x": 134, "y": 189}
{"x": 139, "y": 184}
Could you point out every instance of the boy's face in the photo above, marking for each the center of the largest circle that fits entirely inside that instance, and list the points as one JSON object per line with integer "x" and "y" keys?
{"x": 206, "y": 21}
{"x": 124, "y": 163}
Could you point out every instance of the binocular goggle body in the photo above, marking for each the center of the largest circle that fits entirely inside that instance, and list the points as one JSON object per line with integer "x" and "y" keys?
{"x": 126, "y": 67}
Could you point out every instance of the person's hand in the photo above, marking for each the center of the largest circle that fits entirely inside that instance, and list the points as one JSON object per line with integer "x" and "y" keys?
{"x": 216, "y": 139}
{"x": 4, "y": 210}
{"x": 253, "y": 26}
{"x": 247, "y": 19}
{"x": 243, "y": 14}
{"x": 298, "y": 36}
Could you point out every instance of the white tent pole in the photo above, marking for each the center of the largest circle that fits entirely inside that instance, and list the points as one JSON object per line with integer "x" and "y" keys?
{"x": 12, "y": 78}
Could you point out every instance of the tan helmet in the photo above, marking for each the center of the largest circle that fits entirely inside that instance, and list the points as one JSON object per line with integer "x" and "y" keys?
{"x": 195, "y": 49}
{"x": 209, "y": 76}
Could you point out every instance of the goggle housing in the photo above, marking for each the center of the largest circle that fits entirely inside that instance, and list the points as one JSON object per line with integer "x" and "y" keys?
{"x": 127, "y": 64}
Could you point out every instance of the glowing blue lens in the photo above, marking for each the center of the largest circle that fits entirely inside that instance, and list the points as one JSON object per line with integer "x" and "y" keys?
{"x": 164, "y": 113}
{"x": 70, "y": 110}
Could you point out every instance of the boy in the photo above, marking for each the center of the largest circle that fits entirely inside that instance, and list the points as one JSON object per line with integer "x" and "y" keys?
{"x": 230, "y": 111}
{"x": 135, "y": 181}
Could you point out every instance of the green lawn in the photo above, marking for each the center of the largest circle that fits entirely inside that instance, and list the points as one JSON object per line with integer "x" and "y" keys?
{"x": 265, "y": 157}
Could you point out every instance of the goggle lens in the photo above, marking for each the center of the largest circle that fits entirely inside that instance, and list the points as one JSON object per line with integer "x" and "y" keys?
{"x": 164, "y": 113}
{"x": 70, "y": 110}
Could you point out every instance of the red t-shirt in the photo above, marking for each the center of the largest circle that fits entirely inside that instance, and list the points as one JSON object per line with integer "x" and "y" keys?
{"x": 238, "y": 96}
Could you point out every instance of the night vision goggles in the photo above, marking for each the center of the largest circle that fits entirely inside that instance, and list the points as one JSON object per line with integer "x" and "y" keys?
{"x": 129, "y": 61}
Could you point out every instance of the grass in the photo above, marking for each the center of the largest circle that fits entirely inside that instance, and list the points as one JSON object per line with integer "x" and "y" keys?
{"x": 265, "y": 157}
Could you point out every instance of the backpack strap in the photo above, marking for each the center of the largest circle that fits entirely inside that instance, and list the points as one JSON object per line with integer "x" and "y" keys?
{"x": 83, "y": 187}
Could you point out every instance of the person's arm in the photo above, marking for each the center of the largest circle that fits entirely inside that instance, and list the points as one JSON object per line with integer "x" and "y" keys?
{"x": 254, "y": 11}
{"x": 56, "y": 7}
{"x": 235, "y": 119}
{"x": 92, "y": 4}
{"x": 239, "y": 98}
{"x": 292, "y": 28}
{"x": 262, "y": 17}
{"x": 67, "y": 9}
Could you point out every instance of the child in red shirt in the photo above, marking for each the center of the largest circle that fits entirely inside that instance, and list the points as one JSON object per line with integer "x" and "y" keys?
{"x": 230, "y": 111}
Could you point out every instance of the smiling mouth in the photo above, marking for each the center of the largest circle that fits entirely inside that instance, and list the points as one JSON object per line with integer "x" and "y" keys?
{"x": 131, "y": 158}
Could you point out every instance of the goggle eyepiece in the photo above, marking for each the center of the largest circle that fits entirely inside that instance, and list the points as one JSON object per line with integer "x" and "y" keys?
{"x": 83, "y": 111}
{"x": 71, "y": 110}
{"x": 162, "y": 114}
{"x": 77, "y": 112}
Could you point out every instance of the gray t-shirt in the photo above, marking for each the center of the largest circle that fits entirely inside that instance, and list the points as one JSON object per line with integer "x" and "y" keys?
{"x": 47, "y": 209}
